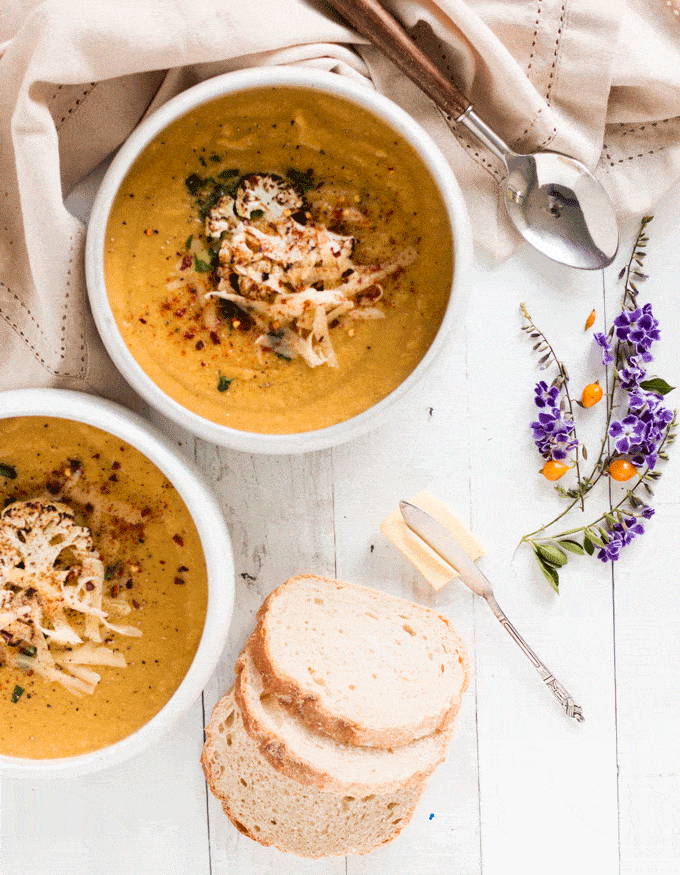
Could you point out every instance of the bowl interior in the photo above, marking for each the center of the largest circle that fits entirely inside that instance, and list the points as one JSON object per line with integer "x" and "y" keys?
{"x": 214, "y": 543}
{"x": 234, "y": 83}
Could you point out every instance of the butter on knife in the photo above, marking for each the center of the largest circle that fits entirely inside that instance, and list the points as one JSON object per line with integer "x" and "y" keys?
{"x": 434, "y": 569}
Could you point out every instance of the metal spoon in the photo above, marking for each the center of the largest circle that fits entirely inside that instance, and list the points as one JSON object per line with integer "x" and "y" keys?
{"x": 554, "y": 201}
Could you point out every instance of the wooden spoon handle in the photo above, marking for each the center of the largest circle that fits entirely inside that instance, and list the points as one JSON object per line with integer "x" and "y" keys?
{"x": 372, "y": 21}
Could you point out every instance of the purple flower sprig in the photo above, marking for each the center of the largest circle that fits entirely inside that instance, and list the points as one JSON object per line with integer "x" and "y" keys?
{"x": 642, "y": 434}
{"x": 554, "y": 430}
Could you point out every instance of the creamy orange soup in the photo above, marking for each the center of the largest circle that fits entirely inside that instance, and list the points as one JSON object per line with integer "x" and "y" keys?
{"x": 362, "y": 179}
{"x": 153, "y": 560}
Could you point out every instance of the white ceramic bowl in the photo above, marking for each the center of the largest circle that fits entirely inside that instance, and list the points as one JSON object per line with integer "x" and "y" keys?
{"x": 211, "y": 89}
{"x": 215, "y": 541}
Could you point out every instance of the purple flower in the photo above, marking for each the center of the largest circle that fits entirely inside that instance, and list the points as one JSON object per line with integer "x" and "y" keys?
{"x": 641, "y": 431}
{"x": 553, "y": 435}
{"x": 627, "y": 433}
{"x": 639, "y": 328}
{"x": 601, "y": 340}
{"x": 546, "y": 397}
{"x": 620, "y": 535}
{"x": 632, "y": 374}
{"x": 647, "y": 512}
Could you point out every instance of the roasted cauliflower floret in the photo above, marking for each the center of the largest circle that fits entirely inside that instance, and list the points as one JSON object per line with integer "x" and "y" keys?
{"x": 51, "y": 592}
{"x": 266, "y": 195}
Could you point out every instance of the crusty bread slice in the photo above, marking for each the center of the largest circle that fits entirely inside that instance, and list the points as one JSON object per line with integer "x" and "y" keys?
{"x": 316, "y": 759}
{"x": 362, "y": 666}
{"x": 275, "y": 810}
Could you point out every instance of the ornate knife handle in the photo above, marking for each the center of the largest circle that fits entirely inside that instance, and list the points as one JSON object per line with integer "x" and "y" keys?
{"x": 555, "y": 687}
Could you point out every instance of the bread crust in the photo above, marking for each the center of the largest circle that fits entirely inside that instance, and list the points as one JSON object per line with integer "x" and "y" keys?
{"x": 310, "y": 706}
{"x": 305, "y": 770}
{"x": 298, "y": 843}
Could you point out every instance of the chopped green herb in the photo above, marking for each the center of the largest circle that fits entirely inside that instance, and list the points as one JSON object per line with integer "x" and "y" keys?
{"x": 214, "y": 157}
{"x": 110, "y": 571}
{"x": 257, "y": 214}
{"x": 17, "y": 693}
{"x": 8, "y": 471}
{"x": 29, "y": 651}
{"x": 228, "y": 174}
{"x": 280, "y": 355}
{"x": 202, "y": 160}
{"x": 194, "y": 183}
{"x": 201, "y": 266}
{"x": 189, "y": 239}
{"x": 302, "y": 179}
{"x": 223, "y": 384}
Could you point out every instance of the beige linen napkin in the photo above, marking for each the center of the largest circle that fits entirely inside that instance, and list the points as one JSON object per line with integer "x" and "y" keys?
{"x": 600, "y": 81}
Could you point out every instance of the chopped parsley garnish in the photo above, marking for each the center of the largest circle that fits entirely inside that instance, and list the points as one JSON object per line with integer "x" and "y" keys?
{"x": 17, "y": 693}
{"x": 257, "y": 214}
{"x": 214, "y": 157}
{"x": 223, "y": 384}
{"x": 302, "y": 179}
{"x": 280, "y": 355}
{"x": 30, "y": 651}
{"x": 8, "y": 471}
{"x": 189, "y": 239}
{"x": 229, "y": 173}
{"x": 195, "y": 183}
{"x": 201, "y": 266}
{"x": 110, "y": 571}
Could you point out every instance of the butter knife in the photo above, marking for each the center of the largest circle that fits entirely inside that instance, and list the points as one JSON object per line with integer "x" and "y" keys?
{"x": 445, "y": 545}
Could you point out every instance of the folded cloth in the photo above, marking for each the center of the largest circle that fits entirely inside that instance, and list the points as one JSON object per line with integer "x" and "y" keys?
{"x": 567, "y": 75}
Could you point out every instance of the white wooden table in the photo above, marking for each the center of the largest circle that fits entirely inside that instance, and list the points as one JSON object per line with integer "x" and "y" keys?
{"x": 523, "y": 788}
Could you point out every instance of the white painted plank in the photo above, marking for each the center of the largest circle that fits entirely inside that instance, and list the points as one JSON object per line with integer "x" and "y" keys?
{"x": 648, "y": 614}
{"x": 547, "y": 784}
{"x": 280, "y": 514}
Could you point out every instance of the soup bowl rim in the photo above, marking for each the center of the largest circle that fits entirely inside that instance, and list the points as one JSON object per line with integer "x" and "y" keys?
{"x": 362, "y": 95}
{"x": 217, "y": 550}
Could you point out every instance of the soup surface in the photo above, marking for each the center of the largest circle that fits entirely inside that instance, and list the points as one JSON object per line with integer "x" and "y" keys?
{"x": 154, "y": 568}
{"x": 358, "y": 179}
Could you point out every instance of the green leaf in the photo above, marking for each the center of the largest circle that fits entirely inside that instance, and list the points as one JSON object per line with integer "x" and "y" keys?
{"x": 588, "y": 545}
{"x": 551, "y": 554}
{"x": 223, "y": 384}
{"x": 595, "y": 538}
{"x": 17, "y": 693}
{"x": 549, "y": 573}
{"x": 201, "y": 266}
{"x": 571, "y": 546}
{"x": 8, "y": 471}
{"x": 189, "y": 239}
{"x": 657, "y": 386}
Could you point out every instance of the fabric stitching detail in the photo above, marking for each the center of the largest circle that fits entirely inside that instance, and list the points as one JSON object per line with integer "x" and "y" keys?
{"x": 76, "y": 105}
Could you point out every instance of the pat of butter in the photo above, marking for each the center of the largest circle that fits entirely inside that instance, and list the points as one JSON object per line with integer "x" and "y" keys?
{"x": 434, "y": 569}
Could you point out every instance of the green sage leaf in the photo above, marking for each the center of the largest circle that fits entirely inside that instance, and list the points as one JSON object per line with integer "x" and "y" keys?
{"x": 571, "y": 546}
{"x": 551, "y": 554}
{"x": 588, "y": 545}
{"x": 548, "y": 572}
{"x": 657, "y": 386}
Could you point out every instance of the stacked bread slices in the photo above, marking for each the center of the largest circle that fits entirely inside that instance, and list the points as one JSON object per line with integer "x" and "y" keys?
{"x": 344, "y": 703}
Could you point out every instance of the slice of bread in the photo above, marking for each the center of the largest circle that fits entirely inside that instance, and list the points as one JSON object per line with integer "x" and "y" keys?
{"x": 316, "y": 759}
{"x": 275, "y": 810}
{"x": 362, "y": 666}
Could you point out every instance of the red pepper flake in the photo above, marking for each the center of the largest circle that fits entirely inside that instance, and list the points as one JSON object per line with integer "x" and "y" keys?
{"x": 186, "y": 262}
{"x": 53, "y": 487}
{"x": 179, "y": 581}
{"x": 89, "y": 586}
{"x": 199, "y": 344}
{"x": 115, "y": 589}
{"x": 114, "y": 478}
{"x": 135, "y": 604}
{"x": 178, "y": 539}
{"x": 189, "y": 335}
{"x": 179, "y": 313}
{"x": 89, "y": 507}
{"x": 128, "y": 584}
{"x": 143, "y": 321}
{"x": 182, "y": 569}
{"x": 214, "y": 336}
{"x": 115, "y": 466}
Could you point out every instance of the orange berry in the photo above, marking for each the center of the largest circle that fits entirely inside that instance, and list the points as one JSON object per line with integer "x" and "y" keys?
{"x": 621, "y": 469}
{"x": 553, "y": 470}
{"x": 590, "y": 321}
{"x": 591, "y": 394}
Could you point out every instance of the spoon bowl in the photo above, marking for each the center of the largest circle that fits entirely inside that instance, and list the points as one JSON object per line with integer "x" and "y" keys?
{"x": 553, "y": 200}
